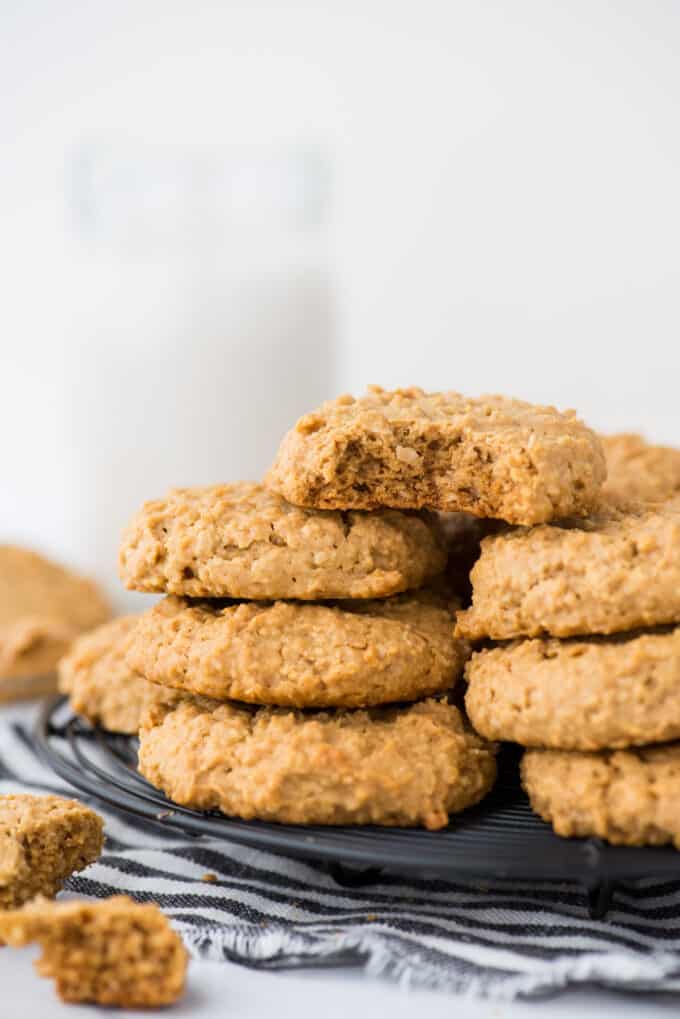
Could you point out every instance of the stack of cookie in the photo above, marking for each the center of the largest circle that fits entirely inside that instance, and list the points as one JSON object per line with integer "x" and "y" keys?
{"x": 288, "y": 635}
{"x": 588, "y": 674}
{"x": 299, "y": 666}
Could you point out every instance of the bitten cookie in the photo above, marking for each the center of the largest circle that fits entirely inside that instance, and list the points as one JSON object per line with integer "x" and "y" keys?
{"x": 628, "y": 797}
{"x": 300, "y": 655}
{"x": 43, "y": 606}
{"x": 100, "y": 684}
{"x": 241, "y": 541}
{"x": 410, "y": 766}
{"x": 615, "y": 571}
{"x": 578, "y": 694}
{"x": 639, "y": 471}
{"x": 492, "y": 456}
{"x": 111, "y": 952}
{"x": 43, "y": 840}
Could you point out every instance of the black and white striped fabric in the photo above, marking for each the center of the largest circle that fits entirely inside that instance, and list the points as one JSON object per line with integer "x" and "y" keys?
{"x": 502, "y": 940}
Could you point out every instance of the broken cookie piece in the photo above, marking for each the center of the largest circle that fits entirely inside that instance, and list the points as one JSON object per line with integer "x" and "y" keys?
{"x": 43, "y": 840}
{"x": 111, "y": 952}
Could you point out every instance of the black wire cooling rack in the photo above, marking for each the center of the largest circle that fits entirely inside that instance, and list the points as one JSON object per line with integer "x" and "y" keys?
{"x": 499, "y": 838}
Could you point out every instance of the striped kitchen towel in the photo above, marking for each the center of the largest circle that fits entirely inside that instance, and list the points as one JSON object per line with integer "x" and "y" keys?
{"x": 503, "y": 940}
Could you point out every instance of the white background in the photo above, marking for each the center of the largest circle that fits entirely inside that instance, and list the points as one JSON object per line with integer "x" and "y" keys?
{"x": 506, "y": 210}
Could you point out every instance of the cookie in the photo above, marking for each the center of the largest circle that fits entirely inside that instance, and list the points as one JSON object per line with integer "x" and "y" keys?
{"x": 616, "y": 571}
{"x": 241, "y": 541}
{"x": 578, "y": 694}
{"x": 43, "y": 840}
{"x": 110, "y": 952}
{"x": 43, "y": 606}
{"x": 100, "y": 684}
{"x": 628, "y": 797}
{"x": 410, "y": 766}
{"x": 491, "y": 456}
{"x": 639, "y": 471}
{"x": 300, "y": 655}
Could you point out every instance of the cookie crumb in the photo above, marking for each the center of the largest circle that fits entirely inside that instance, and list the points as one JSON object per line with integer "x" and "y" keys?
{"x": 111, "y": 952}
{"x": 43, "y": 841}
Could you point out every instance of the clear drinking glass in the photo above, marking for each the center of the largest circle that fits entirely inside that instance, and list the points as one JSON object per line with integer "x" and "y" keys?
{"x": 200, "y": 327}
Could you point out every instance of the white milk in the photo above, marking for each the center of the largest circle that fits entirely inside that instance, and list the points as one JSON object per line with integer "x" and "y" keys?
{"x": 196, "y": 331}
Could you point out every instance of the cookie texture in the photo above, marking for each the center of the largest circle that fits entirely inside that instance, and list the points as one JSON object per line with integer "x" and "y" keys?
{"x": 301, "y": 655}
{"x": 578, "y": 694}
{"x": 491, "y": 456}
{"x": 241, "y": 541}
{"x": 639, "y": 471}
{"x": 101, "y": 685}
{"x": 43, "y": 840}
{"x": 43, "y": 606}
{"x": 410, "y": 766}
{"x": 110, "y": 952}
{"x": 618, "y": 570}
{"x": 628, "y": 797}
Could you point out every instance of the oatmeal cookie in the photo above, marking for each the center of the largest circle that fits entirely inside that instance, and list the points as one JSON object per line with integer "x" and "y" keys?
{"x": 241, "y": 541}
{"x": 406, "y": 766}
{"x": 639, "y": 471}
{"x": 353, "y": 654}
{"x": 628, "y": 797}
{"x": 617, "y": 570}
{"x": 579, "y": 694}
{"x": 43, "y": 840}
{"x": 43, "y": 606}
{"x": 490, "y": 456}
{"x": 100, "y": 684}
{"x": 110, "y": 952}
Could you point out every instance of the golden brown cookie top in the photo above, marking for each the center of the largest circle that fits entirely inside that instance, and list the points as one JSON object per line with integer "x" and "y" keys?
{"x": 43, "y": 606}
{"x": 350, "y": 654}
{"x": 43, "y": 840}
{"x": 615, "y": 571}
{"x": 409, "y": 765}
{"x": 242, "y": 541}
{"x": 101, "y": 685}
{"x": 638, "y": 470}
{"x": 490, "y": 456}
{"x": 578, "y": 694}
{"x": 110, "y": 952}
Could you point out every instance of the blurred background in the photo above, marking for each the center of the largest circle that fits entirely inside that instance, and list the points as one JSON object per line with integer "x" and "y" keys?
{"x": 215, "y": 215}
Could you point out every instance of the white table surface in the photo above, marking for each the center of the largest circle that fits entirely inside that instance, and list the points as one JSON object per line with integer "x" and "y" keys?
{"x": 217, "y": 990}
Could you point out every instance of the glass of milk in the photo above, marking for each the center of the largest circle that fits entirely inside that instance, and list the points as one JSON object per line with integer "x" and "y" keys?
{"x": 198, "y": 328}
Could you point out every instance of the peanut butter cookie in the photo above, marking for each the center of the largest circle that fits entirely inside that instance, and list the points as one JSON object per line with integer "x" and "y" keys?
{"x": 639, "y": 471}
{"x": 408, "y": 766}
{"x": 616, "y": 571}
{"x": 628, "y": 797}
{"x": 111, "y": 952}
{"x": 578, "y": 694}
{"x": 43, "y": 840}
{"x": 101, "y": 685}
{"x": 43, "y": 606}
{"x": 492, "y": 456}
{"x": 241, "y": 541}
{"x": 354, "y": 654}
